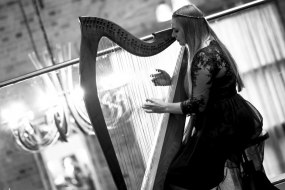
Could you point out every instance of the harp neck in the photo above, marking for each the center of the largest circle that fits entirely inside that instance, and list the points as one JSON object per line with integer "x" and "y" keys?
{"x": 95, "y": 28}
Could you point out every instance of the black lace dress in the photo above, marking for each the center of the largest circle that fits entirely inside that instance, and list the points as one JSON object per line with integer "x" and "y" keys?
{"x": 222, "y": 122}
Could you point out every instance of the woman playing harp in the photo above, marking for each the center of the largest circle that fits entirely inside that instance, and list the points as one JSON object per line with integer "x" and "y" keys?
{"x": 222, "y": 122}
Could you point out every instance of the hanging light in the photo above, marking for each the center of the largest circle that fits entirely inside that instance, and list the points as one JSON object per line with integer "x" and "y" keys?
{"x": 34, "y": 135}
{"x": 163, "y": 12}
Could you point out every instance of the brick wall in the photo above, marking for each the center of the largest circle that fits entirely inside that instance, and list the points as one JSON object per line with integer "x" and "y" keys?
{"x": 60, "y": 19}
{"x": 18, "y": 168}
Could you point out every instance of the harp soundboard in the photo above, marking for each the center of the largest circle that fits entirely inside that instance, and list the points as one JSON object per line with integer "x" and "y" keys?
{"x": 166, "y": 136}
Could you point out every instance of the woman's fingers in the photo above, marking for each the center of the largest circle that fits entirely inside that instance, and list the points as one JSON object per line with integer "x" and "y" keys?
{"x": 153, "y": 106}
{"x": 149, "y": 104}
{"x": 160, "y": 82}
{"x": 157, "y": 75}
{"x": 155, "y": 82}
{"x": 150, "y": 100}
{"x": 148, "y": 108}
{"x": 161, "y": 78}
{"x": 161, "y": 71}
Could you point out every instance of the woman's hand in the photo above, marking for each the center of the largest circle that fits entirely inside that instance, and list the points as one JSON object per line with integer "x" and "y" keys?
{"x": 162, "y": 78}
{"x": 155, "y": 106}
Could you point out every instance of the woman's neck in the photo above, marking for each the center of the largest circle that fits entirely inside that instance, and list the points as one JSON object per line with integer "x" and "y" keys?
{"x": 206, "y": 42}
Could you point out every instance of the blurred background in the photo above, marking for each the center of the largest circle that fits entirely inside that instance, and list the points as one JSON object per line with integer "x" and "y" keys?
{"x": 46, "y": 140}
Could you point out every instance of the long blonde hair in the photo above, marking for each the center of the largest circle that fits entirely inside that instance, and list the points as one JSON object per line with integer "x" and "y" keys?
{"x": 197, "y": 30}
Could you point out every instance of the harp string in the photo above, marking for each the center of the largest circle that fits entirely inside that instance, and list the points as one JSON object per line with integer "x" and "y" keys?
{"x": 116, "y": 138}
{"x": 141, "y": 89}
{"x": 130, "y": 156}
{"x": 118, "y": 60}
{"x": 120, "y": 65}
{"x": 124, "y": 80}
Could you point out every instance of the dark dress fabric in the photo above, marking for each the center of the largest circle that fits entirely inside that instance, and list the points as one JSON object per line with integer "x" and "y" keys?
{"x": 222, "y": 123}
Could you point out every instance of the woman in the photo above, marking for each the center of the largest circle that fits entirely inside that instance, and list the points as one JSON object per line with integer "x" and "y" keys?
{"x": 222, "y": 121}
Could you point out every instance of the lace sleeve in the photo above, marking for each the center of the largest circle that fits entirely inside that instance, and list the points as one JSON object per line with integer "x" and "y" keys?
{"x": 204, "y": 68}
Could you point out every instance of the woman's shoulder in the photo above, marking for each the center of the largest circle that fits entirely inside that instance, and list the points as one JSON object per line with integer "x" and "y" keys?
{"x": 210, "y": 52}
{"x": 212, "y": 49}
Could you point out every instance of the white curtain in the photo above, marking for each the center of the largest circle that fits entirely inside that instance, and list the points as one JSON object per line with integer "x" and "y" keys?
{"x": 255, "y": 37}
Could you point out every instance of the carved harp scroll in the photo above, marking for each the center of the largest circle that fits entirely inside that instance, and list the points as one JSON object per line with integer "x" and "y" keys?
{"x": 92, "y": 30}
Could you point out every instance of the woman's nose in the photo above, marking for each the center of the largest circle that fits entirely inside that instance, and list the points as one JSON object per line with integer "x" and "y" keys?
{"x": 172, "y": 34}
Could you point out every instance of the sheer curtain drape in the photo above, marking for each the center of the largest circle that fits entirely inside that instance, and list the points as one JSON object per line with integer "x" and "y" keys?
{"x": 256, "y": 40}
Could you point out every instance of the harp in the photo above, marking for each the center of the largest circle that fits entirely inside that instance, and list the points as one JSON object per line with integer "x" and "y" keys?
{"x": 168, "y": 136}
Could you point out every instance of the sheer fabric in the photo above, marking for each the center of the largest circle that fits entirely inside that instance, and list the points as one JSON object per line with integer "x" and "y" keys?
{"x": 256, "y": 40}
{"x": 224, "y": 123}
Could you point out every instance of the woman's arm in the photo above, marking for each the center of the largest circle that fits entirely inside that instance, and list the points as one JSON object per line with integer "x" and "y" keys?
{"x": 159, "y": 106}
{"x": 204, "y": 68}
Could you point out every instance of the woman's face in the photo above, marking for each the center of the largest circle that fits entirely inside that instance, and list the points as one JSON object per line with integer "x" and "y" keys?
{"x": 178, "y": 32}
